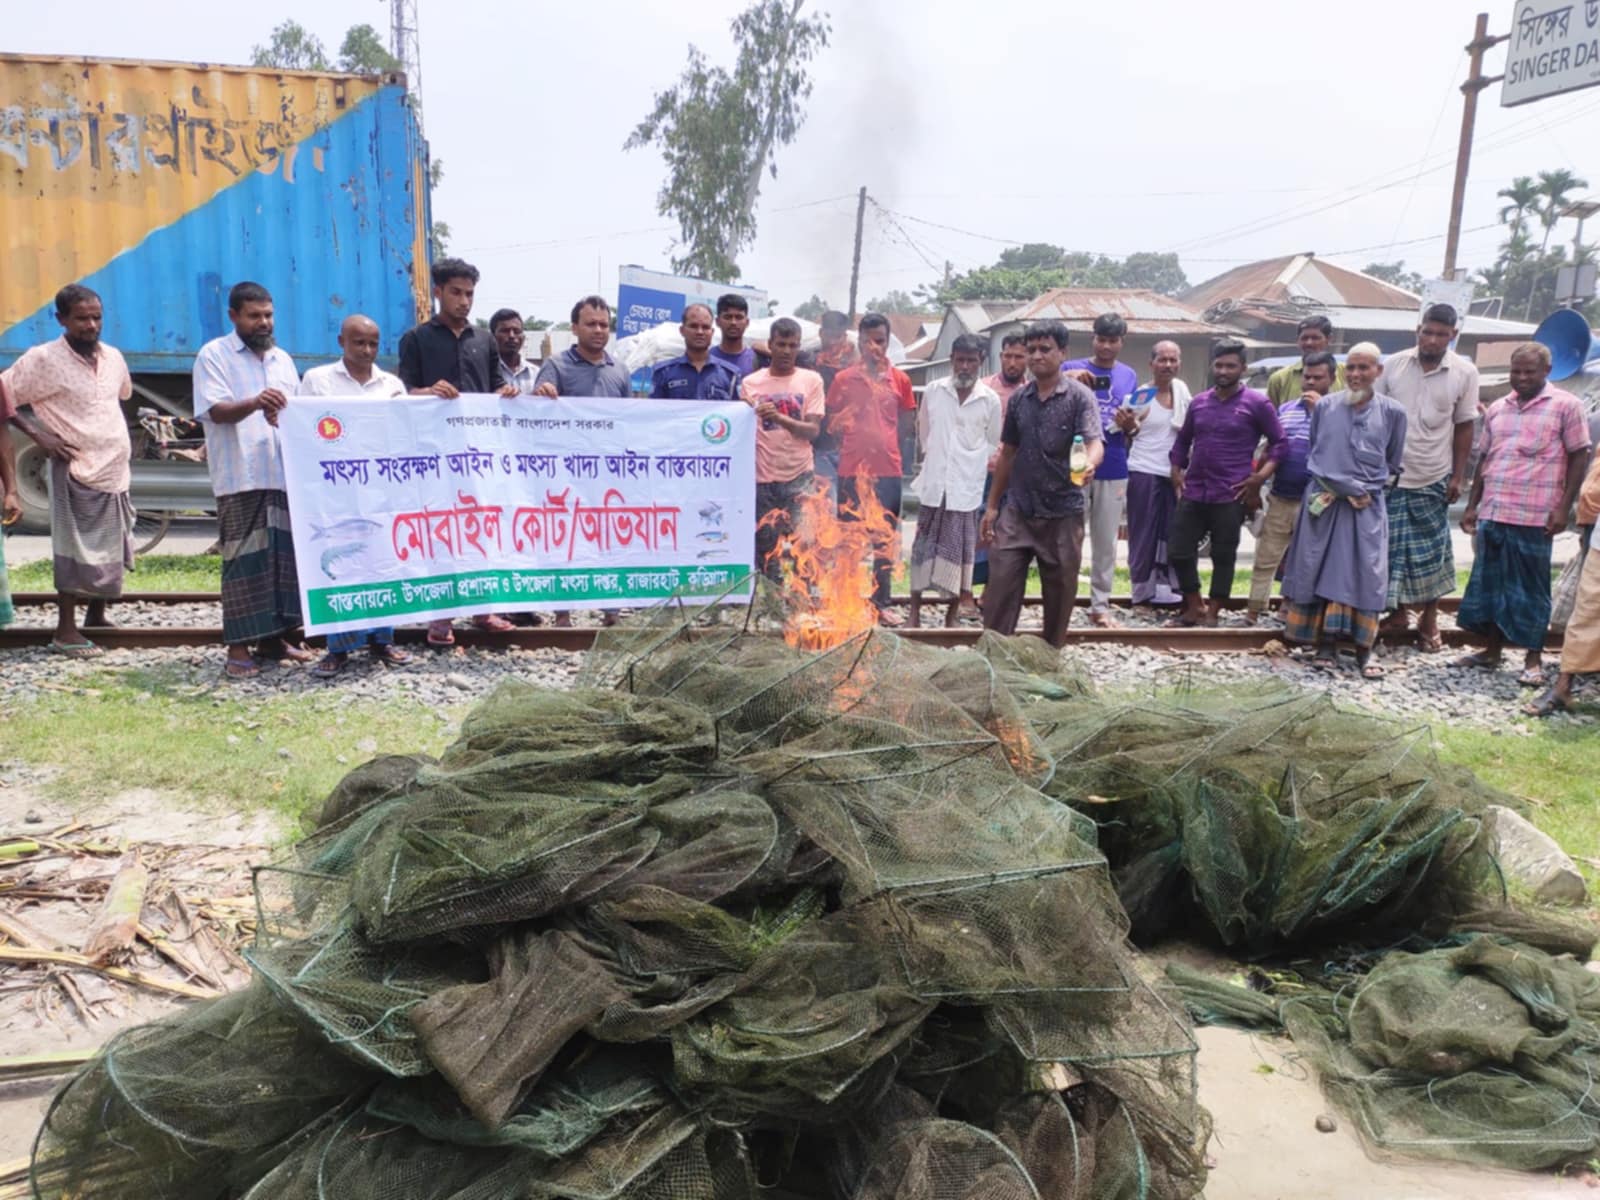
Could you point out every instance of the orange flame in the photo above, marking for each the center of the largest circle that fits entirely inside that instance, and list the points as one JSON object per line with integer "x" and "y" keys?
{"x": 827, "y": 565}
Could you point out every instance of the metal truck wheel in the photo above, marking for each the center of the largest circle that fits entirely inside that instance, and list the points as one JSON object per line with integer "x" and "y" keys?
{"x": 33, "y": 469}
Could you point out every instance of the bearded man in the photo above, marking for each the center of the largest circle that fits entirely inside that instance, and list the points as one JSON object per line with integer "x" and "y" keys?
{"x": 1338, "y": 569}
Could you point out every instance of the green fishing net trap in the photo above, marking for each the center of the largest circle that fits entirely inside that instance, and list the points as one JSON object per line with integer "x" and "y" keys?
{"x": 732, "y": 917}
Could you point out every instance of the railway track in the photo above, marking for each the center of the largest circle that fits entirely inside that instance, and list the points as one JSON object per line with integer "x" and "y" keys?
{"x": 1241, "y": 640}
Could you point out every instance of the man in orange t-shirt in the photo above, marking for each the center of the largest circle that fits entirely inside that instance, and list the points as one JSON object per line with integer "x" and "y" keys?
{"x": 864, "y": 407}
{"x": 789, "y": 403}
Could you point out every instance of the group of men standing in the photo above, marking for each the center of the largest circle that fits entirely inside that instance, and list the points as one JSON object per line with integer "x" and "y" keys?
{"x": 1357, "y": 465}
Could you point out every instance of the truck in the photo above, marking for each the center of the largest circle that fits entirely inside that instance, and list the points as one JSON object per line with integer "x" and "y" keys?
{"x": 162, "y": 184}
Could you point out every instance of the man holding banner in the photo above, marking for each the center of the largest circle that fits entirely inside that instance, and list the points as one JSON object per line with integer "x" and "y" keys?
{"x": 356, "y": 374}
{"x": 242, "y": 382}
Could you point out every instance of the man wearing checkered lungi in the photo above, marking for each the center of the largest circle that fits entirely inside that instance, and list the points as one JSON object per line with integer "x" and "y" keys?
{"x": 1439, "y": 391}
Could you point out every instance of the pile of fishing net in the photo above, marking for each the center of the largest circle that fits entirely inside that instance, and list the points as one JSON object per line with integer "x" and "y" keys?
{"x": 1487, "y": 1052}
{"x": 726, "y": 917}
{"x": 733, "y": 916}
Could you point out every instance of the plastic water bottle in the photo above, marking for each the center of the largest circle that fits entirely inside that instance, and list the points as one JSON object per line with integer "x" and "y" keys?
{"x": 1079, "y": 461}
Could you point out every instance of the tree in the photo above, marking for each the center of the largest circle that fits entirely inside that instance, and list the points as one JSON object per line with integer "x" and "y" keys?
{"x": 1522, "y": 199}
{"x": 1395, "y": 273}
{"x": 1554, "y": 186}
{"x": 719, "y": 131}
{"x": 1023, "y": 272}
{"x": 363, "y": 52}
{"x": 291, "y": 48}
{"x": 898, "y": 301}
{"x": 812, "y": 309}
{"x": 1158, "y": 272}
{"x": 1032, "y": 255}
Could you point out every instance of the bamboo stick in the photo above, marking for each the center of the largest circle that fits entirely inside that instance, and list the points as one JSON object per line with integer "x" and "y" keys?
{"x": 10, "y": 954}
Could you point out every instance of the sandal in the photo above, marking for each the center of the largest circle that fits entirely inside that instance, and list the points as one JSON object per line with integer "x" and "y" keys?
{"x": 493, "y": 623}
{"x": 1531, "y": 677}
{"x": 1325, "y": 662}
{"x": 285, "y": 652}
{"x": 1371, "y": 670}
{"x": 240, "y": 668}
{"x": 330, "y": 665}
{"x": 1478, "y": 661}
{"x": 441, "y": 643}
{"x": 1545, "y": 705}
{"x": 389, "y": 656}
{"x": 1430, "y": 643}
{"x": 83, "y": 649}
{"x": 1183, "y": 622}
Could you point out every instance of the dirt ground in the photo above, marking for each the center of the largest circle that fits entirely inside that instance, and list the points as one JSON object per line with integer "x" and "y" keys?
{"x": 1266, "y": 1144}
{"x": 205, "y": 851}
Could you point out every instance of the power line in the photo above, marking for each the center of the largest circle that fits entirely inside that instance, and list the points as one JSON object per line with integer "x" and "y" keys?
{"x": 1368, "y": 186}
{"x": 582, "y": 239}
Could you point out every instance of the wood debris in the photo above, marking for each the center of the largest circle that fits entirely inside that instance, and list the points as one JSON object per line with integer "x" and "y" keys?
{"x": 90, "y": 924}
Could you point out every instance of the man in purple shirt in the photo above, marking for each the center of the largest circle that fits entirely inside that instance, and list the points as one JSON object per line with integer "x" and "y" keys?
{"x": 1211, "y": 472}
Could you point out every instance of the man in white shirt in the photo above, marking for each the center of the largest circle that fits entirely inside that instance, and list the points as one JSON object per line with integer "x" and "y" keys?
{"x": 1439, "y": 391}
{"x": 958, "y": 428}
{"x": 241, "y": 383}
{"x": 518, "y": 376}
{"x": 356, "y": 374}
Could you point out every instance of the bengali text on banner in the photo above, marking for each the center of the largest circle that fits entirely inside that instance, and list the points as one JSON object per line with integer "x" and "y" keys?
{"x": 418, "y": 508}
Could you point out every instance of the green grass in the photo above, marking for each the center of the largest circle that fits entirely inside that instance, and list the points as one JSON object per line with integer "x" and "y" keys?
{"x": 154, "y": 573}
{"x": 141, "y": 728}
{"x": 1555, "y": 768}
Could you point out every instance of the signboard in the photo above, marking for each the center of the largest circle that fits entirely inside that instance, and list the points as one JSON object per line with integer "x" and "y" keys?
{"x": 420, "y": 509}
{"x": 1554, "y": 48}
{"x": 646, "y": 299}
{"x": 1457, "y": 293}
{"x": 1575, "y": 283}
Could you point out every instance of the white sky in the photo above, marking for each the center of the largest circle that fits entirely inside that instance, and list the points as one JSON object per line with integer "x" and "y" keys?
{"x": 1226, "y": 131}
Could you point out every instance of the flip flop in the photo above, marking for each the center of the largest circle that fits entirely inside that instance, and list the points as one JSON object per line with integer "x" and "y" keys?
{"x": 389, "y": 656}
{"x": 1531, "y": 677}
{"x": 240, "y": 669}
{"x": 292, "y": 654}
{"x": 1430, "y": 643}
{"x": 330, "y": 665}
{"x": 1372, "y": 670}
{"x": 493, "y": 623}
{"x": 441, "y": 643}
{"x": 1325, "y": 662}
{"x": 1545, "y": 705}
{"x": 83, "y": 649}
{"x": 1476, "y": 661}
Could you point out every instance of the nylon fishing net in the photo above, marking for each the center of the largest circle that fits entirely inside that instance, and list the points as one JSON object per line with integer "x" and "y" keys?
{"x": 1487, "y": 1052}
{"x": 734, "y": 916}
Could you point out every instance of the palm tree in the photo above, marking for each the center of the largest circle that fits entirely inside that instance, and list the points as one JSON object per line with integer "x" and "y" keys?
{"x": 1523, "y": 195}
{"x": 1554, "y": 187}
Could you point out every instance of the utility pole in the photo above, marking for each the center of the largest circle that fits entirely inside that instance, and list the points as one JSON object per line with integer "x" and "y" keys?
{"x": 855, "y": 259}
{"x": 405, "y": 44}
{"x": 1475, "y": 83}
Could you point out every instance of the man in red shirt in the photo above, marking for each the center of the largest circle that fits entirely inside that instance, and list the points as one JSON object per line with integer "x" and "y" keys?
{"x": 864, "y": 407}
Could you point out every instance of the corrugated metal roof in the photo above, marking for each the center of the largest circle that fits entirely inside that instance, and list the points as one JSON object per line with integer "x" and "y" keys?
{"x": 1280, "y": 280}
{"x": 1146, "y": 312}
{"x": 1346, "y": 317}
{"x": 911, "y": 327}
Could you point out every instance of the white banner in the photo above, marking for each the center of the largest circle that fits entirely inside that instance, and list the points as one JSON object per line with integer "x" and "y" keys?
{"x": 413, "y": 509}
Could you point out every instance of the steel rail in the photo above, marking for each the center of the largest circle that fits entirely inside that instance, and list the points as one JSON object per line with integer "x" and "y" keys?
{"x": 1244, "y": 640}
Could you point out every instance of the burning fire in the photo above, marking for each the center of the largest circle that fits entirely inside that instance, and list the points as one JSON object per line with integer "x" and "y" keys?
{"x": 827, "y": 566}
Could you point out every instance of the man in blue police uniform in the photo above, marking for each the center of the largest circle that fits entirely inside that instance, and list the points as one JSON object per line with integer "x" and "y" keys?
{"x": 695, "y": 374}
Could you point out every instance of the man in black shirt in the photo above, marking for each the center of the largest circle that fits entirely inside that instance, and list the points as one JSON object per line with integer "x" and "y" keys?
{"x": 443, "y": 357}
{"x": 447, "y": 355}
